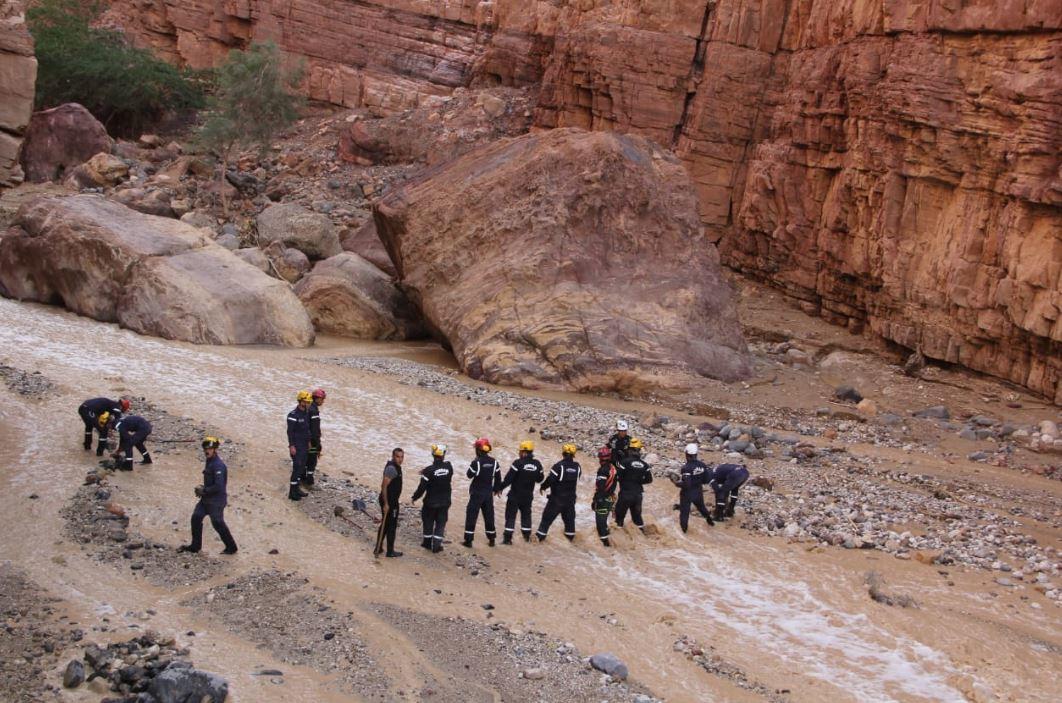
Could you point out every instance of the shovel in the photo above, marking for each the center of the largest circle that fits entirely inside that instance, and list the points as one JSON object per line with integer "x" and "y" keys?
{"x": 339, "y": 512}
{"x": 359, "y": 505}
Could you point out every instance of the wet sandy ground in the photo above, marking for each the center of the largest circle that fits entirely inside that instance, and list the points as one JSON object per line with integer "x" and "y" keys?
{"x": 795, "y": 620}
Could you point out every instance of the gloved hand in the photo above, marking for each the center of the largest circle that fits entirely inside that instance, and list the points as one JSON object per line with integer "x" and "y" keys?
{"x": 199, "y": 491}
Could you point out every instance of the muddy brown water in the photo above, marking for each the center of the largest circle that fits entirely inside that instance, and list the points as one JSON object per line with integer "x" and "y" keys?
{"x": 791, "y": 618}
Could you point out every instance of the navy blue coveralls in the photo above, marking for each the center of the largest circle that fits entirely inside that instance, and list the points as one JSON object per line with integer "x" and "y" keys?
{"x": 524, "y": 474}
{"x": 315, "y": 443}
{"x": 694, "y": 475}
{"x": 562, "y": 482}
{"x": 212, "y": 504}
{"x": 132, "y": 431}
{"x": 298, "y": 437}
{"x": 90, "y": 411}
{"x": 485, "y": 472}
{"x": 435, "y": 486}
{"x": 726, "y": 479}
{"x": 633, "y": 474}
{"x": 604, "y": 498}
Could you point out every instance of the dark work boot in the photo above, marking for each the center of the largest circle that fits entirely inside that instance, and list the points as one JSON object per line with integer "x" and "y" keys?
{"x": 229, "y": 550}
{"x": 508, "y": 538}
{"x": 605, "y": 542}
{"x": 88, "y": 442}
{"x": 392, "y": 555}
{"x": 188, "y": 548}
{"x": 467, "y": 542}
{"x": 490, "y": 541}
{"x": 709, "y": 520}
{"x": 146, "y": 459}
{"x": 731, "y": 504}
{"x": 100, "y": 449}
{"x": 720, "y": 512}
{"x": 437, "y": 545}
{"x": 527, "y": 536}
{"x": 426, "y": 543}
{"x": 294, "y": 493}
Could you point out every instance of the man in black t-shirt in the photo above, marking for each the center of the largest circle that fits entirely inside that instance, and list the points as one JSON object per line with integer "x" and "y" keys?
{"x": 390, "y": 494}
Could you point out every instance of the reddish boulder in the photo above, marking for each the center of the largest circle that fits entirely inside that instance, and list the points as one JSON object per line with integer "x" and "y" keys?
{"x": 566, "y": 259}
{"x": 60, "y": 139}
{"x": 365, "y": 242}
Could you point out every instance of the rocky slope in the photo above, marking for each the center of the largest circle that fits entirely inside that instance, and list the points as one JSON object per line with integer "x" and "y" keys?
{"x": 18, "y": 75}
{"x": 892, "y": 164}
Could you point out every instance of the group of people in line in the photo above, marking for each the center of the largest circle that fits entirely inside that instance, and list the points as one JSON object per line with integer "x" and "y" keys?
{"x": 619, "y": 484}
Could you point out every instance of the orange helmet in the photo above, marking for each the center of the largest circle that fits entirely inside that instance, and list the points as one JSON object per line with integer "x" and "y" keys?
{"x": 124, "y": 405}
{"x": 319, "y": 393}
{"x": 482, "y": 444}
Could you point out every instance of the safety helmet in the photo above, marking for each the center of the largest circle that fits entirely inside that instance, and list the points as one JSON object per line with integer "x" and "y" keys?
{"x": 319, "y": 393}
{"x": 438, "y": 450}
{"x": 527, "y": 446}
{"x": 211, "y": 443}
{"x": 482, "y": 445}
{"x": 304, "y": 397}
{"x": 569, "y": 449}
{"x": 124, "y": 405}
{"x": 691, "y": 448}
{"x": 104, "y": 418}
{"x": 604, "y": 454}
{"x": 622, "y": 425}
{"x": 635, "y": 443}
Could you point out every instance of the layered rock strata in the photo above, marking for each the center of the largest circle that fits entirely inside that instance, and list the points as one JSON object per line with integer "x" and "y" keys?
{"x": 18, "y": 76}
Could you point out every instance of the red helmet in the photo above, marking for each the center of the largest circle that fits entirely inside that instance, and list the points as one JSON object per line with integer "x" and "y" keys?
{"x": 482, "y": 444}
{"x": 319, "y": 393}
{"x": 604, "y": 454}
{"x": 124, "y": 405}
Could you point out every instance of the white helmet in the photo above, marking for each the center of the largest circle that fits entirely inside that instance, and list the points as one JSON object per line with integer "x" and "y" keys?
{"x": 621, "y": 425}
{"x": 691, "y": 449}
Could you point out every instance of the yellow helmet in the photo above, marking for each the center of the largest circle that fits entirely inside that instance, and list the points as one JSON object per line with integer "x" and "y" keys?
{"x": 104, "y": 418}
{"x": 438, "y": 450}
{"x": 569, "y": 449}
{"x": 636, "y": 443}
{"x": 211, "y": 443}
{"x": 527, "y": 446}
{"x": 304, "y": 397}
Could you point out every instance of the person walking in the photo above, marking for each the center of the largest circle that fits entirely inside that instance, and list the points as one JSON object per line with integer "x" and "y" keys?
{"x": 435, "y": 485}
{"x": 485, "y": 474}
{"x": 562, "y": 483}
{"x": 633, "y": 475}
{"x": 725, "y": 480}
{"x": 390, "y": 494}
{"x": 693, "y": 476}
{"x": 314, "y": 452}
{"x": 213, "y": 497}
{"x": 524, "y": 474}
{"x": 299, "y": 442}
{"x": 604, "y": 493}
{"x": 132, "y": 431}
{"x": 90, "y": 412}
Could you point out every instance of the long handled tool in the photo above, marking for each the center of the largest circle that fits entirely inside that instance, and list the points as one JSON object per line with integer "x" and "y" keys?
{"x": 339, "y": 512}
{"x": 378, "y": 549}
{"x": 359, "y": 504}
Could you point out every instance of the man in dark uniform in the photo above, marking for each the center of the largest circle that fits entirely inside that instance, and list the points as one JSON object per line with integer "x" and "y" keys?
{"x": 633, "y": 474}
{"x": 213, "y": 497}
{"x": 604, "y": 493}
{"x": 314, "y": 452}
{"x": 619, "y": 442}
{"x": 390, "y": 494}
{"x": 299, "y": 442}
{"x": 435, "y": 485}
{"x": 90, "y": 411}
{"x": 562, "y": 483}
{"x": 485, "y": 473}
{"x": 693, "y": 476}
{"x": 132, "y": 430}
{"x": 524, "y": 474}
{"x": 725, "y": 480}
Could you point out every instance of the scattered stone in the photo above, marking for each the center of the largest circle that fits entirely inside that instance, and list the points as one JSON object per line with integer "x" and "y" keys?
{"x": 74, "y": 674}
{"x": 937, "y": 412}
{"x": 847, "y": 393}
{"x": 610, "y": 664}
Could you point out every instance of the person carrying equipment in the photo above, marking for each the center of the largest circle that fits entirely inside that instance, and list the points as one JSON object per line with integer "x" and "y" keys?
{"x": 435, "y": 486}
{"x": 524, "y": 474}
{"x": 314, "y": 452}
{"x": 299, "y": 442}
{"x": 390, "y": 494}
{"x": 562, "y": 482}
{"x": 90, "y": 412}
{"x": 485, "y": 472}
{"x": 132, "y": 430}
{"x": 213, "y": 497}
{"x": 694, "y": 474}
{"x": 633, "y": 475}
{"x": 619, "y": 442}
{"x": 725, "y": 480}
{"x": 604, "y": 493}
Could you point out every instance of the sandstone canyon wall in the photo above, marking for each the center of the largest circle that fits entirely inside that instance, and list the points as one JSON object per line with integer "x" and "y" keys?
{"x": 893, "y": 164}
{"x": 18, "y": 76}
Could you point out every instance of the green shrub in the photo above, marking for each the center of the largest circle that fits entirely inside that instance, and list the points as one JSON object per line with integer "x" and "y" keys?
{"x": 126, "y": 88}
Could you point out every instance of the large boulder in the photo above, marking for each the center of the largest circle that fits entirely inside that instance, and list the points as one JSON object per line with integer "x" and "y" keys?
{"x": 365, "y": 242}
{"x": 566, "y": 259}
{"x": 152, "y": 275}
{"x": 289, "y": 264}
{"x": 60, "y": 139}
{"x": 293, "y": 225}
{"x": 18, "y": 76}
{"x": 179, "y": 684}
{"x": 348, "y": 296}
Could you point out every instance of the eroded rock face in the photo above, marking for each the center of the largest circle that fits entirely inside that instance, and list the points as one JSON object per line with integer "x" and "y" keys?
{"x": 152, "y": 275}
{"x": 566, "y": 259}
{"x": 18, "y": 77}
{"x": 60, "y": 139}
{"x": 348, "y": 296}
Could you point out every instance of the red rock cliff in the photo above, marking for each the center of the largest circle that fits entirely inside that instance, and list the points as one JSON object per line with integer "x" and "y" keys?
{"x": 895, "y": 164}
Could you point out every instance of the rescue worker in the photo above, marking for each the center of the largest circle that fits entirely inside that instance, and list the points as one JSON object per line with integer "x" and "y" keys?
{"x": 213, "y": 497}
{"x": 435, "y": 485}
{"x": 90, "y": 411}
{"x": 485, "y": 473}
{"x": 633, "y": 475}
{"x": 132, "y": 430}
{"x": 693, "y": 476}
{"x": 562, "y": 482}
{"x": 318, "y": 398}
{"x": 524, "y": 474}
{"x": 725, "y": 480}
{"x": 299, "y": 442}
{"x": 390, "y": 494}
{"x": 619, "y": 442}
{"x": 604, "y": 493}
